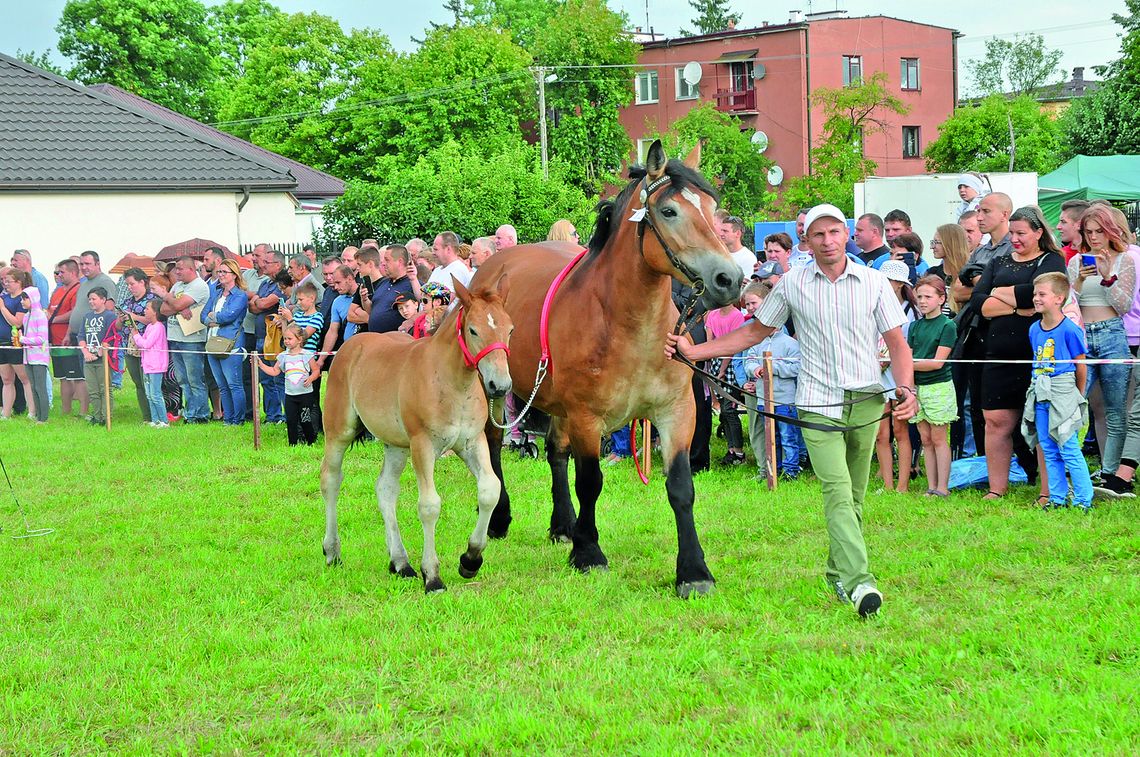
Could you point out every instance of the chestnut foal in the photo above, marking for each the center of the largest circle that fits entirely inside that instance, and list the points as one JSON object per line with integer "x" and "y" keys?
{"x": 424, "y": 397}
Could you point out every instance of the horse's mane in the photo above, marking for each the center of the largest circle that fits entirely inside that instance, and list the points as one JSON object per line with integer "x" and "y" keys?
{"x": 611, "y": 212}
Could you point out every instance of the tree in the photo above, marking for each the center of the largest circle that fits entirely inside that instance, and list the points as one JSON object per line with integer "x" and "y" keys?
{"x": 521, "y": 18}
{"x": 158, "y": 49}
{"x": 728, "y": 159}
{"x": 851, "y": 114}
{"x": 450, "y": 187}
{"x": 712, "y": 16}
{"x": 1107, "y": 121}
{"x": 1017, "y": 67}
{"x": 39, "y": 60}
{"x": 977, "y": 138}
{"x": 584, "y": 103}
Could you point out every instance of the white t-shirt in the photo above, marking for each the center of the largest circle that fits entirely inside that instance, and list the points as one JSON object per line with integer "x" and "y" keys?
{"x": 295, "y": 368}
{"x": 455, "y": 269}
{"x": 197, "y": 290}
{"x": 746, "y": 259}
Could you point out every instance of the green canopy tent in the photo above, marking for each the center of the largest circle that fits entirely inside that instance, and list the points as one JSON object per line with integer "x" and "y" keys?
{"x": 1085, "y": 177}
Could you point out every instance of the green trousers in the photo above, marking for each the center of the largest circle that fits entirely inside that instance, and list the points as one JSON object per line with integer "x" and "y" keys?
{"x": 93, "y": 374}
{"x": 842, "y": 463}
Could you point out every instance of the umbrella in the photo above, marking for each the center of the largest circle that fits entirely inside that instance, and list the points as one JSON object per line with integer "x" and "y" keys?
{"x": 131, "y": 260}
{"x": 195, "y": 248}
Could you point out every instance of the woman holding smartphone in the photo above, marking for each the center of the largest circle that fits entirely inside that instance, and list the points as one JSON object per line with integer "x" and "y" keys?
{"x": 1104, "y": 280}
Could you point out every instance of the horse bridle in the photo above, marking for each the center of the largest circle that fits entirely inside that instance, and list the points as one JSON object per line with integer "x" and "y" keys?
{"x": 698, "y": 288}
{"x": 469, "y": 360}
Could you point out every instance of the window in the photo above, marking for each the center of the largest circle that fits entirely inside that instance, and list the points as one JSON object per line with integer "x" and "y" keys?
{"x": 908, "y": 73}
{"x": 852, "y": 69}
{"x": 643, "y": 146}
{"x": 685, "y": 91}
{"x": 912, "y": 144}
{"x": 645, "y": 87}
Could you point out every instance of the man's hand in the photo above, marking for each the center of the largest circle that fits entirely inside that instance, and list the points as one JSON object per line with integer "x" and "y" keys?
{"x": 759, "y": 372}
{"x": 675, "y": 343}
{"x": 749, "y": 386}
{"x": 906, "y": 404}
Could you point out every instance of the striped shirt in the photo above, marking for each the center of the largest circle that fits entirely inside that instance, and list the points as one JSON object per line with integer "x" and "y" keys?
{"x": 315, "y": 320}
{"x": 837, "y": 325}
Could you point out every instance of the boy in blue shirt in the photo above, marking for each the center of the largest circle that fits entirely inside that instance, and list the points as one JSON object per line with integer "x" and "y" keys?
{"x": 1055, "y": 408}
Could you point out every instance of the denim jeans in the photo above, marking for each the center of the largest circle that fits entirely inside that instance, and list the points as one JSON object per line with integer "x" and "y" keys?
{"x": 188, "y": 359}
{"x": 620, "y": 442}
{"x": 1062, "y": 459}
{"x": 791, "y": 441}
{"x": 227, "y": 374}
{"x": 1107, "y": 340}
{"x": 272, "y": 394}
{"x": 152, "y": 385}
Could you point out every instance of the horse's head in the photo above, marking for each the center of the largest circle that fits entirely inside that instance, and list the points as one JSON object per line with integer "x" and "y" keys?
{"x": 484, "y": 330}
{"x": 678, "y": 234}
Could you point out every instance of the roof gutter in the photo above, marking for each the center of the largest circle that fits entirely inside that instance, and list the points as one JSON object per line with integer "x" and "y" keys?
{"x": 244, "y": 198}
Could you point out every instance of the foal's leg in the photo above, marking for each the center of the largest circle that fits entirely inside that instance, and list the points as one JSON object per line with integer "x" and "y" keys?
{"x": 586, "y": 440}
{"x": 501, "y": 516}
{"x": 387, "y": 492}
{"x": 676, "y": 429}
{"x": 332, "y": 475}
{"x": 478, "y": 460}
{"x": 562, "y": 517}
{"x": 423, "y": 460}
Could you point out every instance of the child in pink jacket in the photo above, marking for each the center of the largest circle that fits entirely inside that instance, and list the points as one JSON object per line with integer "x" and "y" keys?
{"x": 155, "y": 360}
{"x": 36, "y": 358}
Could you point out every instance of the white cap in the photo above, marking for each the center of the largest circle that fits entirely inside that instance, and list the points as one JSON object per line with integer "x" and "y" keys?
{"x": 973, "y": 182}
{"x": 823, "y": 211}
{"x": 895, "y": 270}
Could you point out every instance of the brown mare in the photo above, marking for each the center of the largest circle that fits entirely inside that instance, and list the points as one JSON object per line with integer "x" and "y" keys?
{"x": 607, "y": 326}
{"x": 424, "y": 396}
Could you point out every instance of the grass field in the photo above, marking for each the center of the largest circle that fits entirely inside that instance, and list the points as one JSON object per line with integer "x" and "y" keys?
{"x": 183, "y": 604}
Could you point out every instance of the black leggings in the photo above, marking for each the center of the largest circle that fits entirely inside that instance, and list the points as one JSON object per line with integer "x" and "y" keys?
{"x": 301, "y": 418}
{"x": 730, "y": 422}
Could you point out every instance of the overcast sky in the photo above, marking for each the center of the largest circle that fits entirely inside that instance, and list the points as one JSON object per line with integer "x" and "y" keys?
{"x": 1084, "y": 30}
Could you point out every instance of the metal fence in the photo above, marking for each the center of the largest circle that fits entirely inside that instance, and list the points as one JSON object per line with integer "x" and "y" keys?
{"x": 323, "y": 249}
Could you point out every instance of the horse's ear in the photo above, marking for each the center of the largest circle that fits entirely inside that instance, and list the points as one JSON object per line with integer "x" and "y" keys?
{"x": 461, "y": 292}
{"x": 693, "y": 159}
{"x": 655, "y": 161}
{"x": 502, "y": 286}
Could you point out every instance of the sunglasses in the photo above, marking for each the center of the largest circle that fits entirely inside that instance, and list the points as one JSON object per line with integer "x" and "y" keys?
{"x": 57, "y": 273}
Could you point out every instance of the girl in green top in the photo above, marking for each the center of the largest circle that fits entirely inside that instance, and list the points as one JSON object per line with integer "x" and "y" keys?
{"x": 931, "y": 338}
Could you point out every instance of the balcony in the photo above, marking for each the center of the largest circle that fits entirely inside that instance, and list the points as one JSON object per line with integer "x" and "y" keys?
{"x": 738, "y": 101}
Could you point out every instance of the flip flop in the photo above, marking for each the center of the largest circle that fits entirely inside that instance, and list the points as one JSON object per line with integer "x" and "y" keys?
{"x": 992, "y": 495}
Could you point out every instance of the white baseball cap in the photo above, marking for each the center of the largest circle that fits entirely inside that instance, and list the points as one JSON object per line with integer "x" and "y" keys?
{"x": 823, "y": 211}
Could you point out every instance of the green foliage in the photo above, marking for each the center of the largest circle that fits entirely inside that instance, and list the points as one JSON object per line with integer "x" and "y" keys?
{"x": 851, "y": 114}
{"x": 158, "y": 49}
{"x": 976, "y": 138}
{"x": 728, "y": 159}
{"x": 40, "y": 60}
{"x": 524, "y": 19}
{"x": 1107, "y": 121}
{"x": 458, "y": 188}
{"x": 1016, "y": 67}
{"x": 585, "y": 131}
{"x": 712, "y": 16}
{"x": 240, "y": 26}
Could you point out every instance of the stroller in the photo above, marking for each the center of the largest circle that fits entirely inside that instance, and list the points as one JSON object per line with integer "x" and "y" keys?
{"x": 535, "y": 424}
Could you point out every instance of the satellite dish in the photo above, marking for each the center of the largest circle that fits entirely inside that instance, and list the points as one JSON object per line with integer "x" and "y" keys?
{"x": 691, "y": 73}
{"x": 759, "y": 72}
{"x": 760, "y": 141}
{"x": 775, "y": 176}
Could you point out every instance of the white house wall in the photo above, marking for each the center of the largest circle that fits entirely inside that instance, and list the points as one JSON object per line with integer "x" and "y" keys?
{"x": 54, "y": 225}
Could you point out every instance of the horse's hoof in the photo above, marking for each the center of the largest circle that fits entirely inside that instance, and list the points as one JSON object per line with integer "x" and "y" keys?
{"x": 559, "y": 538}
{"x": 468, "y": 567}
{"x": 493, "y": 532}
{"x": 434, "y": 586}
{"x": 689, "y": 589}
{"x": 589, "y": 558}
{"x": 405, "y": 572}
{"x": 332, "y": 555}
{"x": 333, "y": 561}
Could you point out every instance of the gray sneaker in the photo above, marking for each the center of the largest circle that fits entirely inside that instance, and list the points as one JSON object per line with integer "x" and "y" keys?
{"x": 836, "y": 586}
{"x": 867, "y": 600}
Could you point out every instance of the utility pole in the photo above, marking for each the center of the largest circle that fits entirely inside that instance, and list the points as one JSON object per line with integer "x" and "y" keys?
{"x": 540, "y": 72}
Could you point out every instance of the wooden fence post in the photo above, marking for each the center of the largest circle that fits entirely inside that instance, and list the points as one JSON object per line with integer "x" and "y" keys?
{"x": 770, "y": 423}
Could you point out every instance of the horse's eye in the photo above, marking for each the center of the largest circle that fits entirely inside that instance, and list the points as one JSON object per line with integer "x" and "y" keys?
{"x": 669, "y": 213}
{"x": 472, "y": 331}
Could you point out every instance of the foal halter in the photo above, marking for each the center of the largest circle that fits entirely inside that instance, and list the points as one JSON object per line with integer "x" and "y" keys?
{"x": 469, "y": 360}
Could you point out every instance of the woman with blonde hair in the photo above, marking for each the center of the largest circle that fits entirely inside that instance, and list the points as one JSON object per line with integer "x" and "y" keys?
{"x": 562, "y": 231}
{"x": 952, "y": 248}
{"x": 223, "y": 315}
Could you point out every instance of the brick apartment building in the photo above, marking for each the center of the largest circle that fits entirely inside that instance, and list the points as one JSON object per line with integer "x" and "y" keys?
{"x": 764, "y": 76}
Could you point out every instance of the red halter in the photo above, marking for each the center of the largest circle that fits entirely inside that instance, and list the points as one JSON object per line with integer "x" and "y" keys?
{"x": 470, "y": 360}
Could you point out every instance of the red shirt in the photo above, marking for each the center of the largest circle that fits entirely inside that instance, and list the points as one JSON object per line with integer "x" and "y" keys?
{"x": 1069, "y": 251}
{"x": 62, "y": 303}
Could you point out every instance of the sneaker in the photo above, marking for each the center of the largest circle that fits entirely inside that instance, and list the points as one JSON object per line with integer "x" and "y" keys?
{"x": 1097, "y": 478}
{"x": 867, "y": 600}
{"x": 161, "y": 425}
{"x": 836, "y": 587}
{"x": 732, "y": 458}
{"x": 1115, "y": 487}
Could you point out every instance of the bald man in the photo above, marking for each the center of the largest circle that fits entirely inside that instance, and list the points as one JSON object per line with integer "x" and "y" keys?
{"x": 506, "y": 236}
{"x": 993, "y": 218}
{"x": 481, "y": 249}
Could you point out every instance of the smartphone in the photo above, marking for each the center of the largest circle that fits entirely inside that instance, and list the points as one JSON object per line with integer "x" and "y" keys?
{"x": 1087, "y": 260}
{"x": 908, "y": 258}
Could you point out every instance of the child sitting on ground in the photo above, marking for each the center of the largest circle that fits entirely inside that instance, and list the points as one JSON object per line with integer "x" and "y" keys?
{"x": 300, "y": 369}
{"x": 785, "y": 371}
{"x": 931, "y": 338}
{"x": 1055, "y": 408}
{"x": 155, "y": 360}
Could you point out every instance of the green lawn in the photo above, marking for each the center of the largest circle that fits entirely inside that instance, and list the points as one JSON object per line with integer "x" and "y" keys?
{"x": 183, "y": 604}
